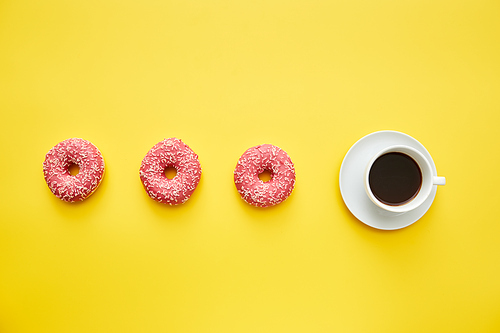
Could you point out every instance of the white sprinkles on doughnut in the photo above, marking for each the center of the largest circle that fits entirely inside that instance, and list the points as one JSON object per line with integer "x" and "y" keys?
{"x": 56, "y": 169}
{"x": 169, "y": 153}
{"x": 257, "y": 160}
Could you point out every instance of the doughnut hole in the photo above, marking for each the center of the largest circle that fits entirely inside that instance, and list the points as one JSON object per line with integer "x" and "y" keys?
{"x": 73, "y": 169}
{"x": 266, "y": 176}
{"x": 170, "y": 172}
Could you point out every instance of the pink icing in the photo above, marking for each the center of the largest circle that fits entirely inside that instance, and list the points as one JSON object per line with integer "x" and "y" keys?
{"x": 57, "y": 161}
{"x": 170, "y": 153}
{"x": 255, "y": 161}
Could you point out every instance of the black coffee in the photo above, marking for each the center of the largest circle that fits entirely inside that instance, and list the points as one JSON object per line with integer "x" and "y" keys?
{"x": 395, "y": 179}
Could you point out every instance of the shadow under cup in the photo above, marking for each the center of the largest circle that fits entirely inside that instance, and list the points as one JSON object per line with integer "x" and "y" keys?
{"x": 399, "y": 179}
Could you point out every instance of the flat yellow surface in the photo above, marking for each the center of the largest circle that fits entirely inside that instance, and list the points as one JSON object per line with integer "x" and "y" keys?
{"x": 311, "y": 77}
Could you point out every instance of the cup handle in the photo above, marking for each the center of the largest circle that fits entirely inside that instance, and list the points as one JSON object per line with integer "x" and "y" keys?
{"x": 439, "y": 180}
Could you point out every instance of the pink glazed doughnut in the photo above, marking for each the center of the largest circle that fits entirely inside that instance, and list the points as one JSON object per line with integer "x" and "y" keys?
{"x": 166, "y": 154}
{"x": 56, "y": 169}
{"x": 255, "y": 161}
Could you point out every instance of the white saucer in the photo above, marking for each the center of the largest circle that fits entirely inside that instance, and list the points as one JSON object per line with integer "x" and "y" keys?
{"x": 352, "y": 186}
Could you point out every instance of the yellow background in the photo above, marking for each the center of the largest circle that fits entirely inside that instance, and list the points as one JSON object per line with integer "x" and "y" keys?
{"x": 311, "y": 77}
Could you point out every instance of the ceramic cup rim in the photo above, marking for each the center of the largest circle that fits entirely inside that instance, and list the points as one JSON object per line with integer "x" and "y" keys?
{"x": 426, "y": 185}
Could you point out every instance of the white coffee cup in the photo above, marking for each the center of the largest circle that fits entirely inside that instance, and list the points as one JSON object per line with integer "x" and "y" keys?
{"x": 428, "y": 179}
